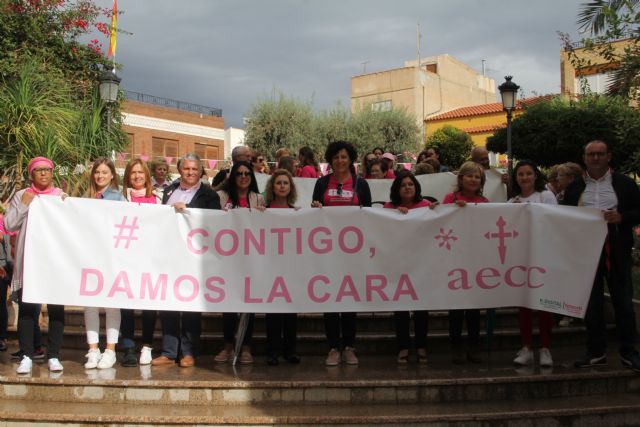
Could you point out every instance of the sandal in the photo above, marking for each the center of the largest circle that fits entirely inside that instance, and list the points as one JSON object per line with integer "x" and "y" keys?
{"x": 403, "y": 357}
{"x": 422, "y": 355}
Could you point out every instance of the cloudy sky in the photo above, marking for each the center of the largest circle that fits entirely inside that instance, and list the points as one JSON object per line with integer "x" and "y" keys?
{"x": 227, "y": 53}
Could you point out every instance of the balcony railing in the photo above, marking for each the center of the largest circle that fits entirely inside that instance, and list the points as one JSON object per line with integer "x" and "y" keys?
{"x": 172, "y": 103}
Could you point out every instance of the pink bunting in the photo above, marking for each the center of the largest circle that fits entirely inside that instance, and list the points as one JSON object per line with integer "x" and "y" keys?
{"x": 144, "y": 157}
{"x": 168, "y": 159}
{"x": 407, "y": 166}
{"x": 121, "y": 157}
{"x": 212, "y": 163}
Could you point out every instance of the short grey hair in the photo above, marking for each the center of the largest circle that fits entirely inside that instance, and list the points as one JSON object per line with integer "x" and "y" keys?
{"x": 188, "y": 156}
{"x": 236, "y": 150}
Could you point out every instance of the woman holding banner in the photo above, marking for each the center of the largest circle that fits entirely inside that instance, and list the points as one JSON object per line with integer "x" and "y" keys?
{"x": 528, "y": 185}
{"x": 137, "y": 188}
{"x": 281, "y": 327}
{"x": 41, "y": 173}
{"x": 341, "y": 188}
{"x": 406, "y": 194}
{"x": 471, "y": 181}
{"x": 103, "y": 185}
{"x": 240, "y": 191}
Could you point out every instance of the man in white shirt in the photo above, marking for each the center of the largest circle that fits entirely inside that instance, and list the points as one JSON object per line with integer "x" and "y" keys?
{"x": 618, "y": 197}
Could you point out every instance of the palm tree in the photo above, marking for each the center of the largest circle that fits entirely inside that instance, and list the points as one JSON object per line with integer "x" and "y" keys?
{"x": 595, "y": 16}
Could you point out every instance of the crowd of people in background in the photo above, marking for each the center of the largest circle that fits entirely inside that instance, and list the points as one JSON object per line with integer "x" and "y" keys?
{"x": 342, "y": 185}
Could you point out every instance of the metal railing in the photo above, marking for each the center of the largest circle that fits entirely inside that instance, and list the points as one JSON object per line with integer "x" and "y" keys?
{"x": 172, "y": 103}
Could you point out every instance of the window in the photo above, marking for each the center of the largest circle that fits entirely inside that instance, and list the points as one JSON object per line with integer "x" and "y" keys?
{"x": 597, "y": 83}
{"x": 163, "y": 147}
{"x": 381, "y": 106}
{"x": 206, "y": 152}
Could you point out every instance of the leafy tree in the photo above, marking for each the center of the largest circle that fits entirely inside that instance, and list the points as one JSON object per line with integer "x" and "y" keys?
{"x": 555, "y": 131}
{"x": 276, "y": 123}
{"x": 49, "y": 103}
{"x": 286, "y": 122}
{"x": 607, "y": 21}
{"x": 454, "y": 145}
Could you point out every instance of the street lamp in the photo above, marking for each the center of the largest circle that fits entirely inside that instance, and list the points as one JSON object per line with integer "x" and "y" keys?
{"x": 508, "y": 92}
{"x": 109, "y": 85}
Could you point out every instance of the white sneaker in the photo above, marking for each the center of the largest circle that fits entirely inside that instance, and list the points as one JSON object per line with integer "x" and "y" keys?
{"x": 55, "y": 365}
{"x": 545, "y": 357}
{"x": 107, "y": 360}
{"x": 93, "y": 358}
{"x": 145, "y": 355}
{"x": 25, "y": 366}
{"x": 524, "y": 357}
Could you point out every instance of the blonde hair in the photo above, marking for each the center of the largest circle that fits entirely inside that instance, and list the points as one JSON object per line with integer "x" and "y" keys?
{"x": 469, "y": 168}
{"x": 293, "y": 194}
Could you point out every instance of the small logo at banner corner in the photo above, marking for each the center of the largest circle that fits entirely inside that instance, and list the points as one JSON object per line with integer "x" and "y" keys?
{"x": 126, "y": 232}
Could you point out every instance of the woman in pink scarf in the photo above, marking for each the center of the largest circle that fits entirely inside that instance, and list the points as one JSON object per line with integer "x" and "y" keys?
{"x": 15, "y": 220}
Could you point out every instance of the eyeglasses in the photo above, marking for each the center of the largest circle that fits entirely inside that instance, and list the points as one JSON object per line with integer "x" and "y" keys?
{"x": 43, "y": 170}
{"x": 259, "y": 160}
{"x": 244, "y": 174}
{"x": 339, "y": 189}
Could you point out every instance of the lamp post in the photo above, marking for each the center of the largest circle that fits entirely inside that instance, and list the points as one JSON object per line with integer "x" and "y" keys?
{"x": 508, "y": 92}
{"x": 109, "y": 85}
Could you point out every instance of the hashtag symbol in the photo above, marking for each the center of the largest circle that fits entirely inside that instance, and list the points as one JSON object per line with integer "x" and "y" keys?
{"x": 125, "y": 232}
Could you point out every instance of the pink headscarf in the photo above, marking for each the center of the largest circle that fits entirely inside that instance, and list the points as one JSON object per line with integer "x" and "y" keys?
{"x": 42, "y": 162}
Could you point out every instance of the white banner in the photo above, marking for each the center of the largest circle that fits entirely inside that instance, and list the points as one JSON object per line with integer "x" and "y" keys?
{"x": 113, "y": 254}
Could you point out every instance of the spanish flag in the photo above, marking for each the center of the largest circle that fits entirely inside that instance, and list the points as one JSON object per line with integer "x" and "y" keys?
{"x": 114, "y": 22}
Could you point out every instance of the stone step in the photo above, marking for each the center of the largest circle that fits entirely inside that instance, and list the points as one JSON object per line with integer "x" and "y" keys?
{"x": 612, "y": 410}
{"x": 376, "y": 380}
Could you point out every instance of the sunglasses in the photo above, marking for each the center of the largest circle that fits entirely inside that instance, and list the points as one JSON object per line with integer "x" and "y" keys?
{"x": 339, "y": 190}
{"x": 243, "y": 174}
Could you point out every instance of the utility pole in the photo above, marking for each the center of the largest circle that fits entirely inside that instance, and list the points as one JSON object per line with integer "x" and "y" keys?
{"x": 364, "y": 67}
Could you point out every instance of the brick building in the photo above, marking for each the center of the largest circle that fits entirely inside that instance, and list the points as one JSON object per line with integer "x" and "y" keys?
{"x": 164, "y": 128}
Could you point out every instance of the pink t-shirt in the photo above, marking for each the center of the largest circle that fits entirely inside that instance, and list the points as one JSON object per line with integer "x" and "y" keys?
{"x": 340, "y": 194}
{"x": 243, "y": 202}
{"x": 421, "y": 204}
{"x": 452, "y": 197}
{"x": 272, "y": 206}
{"x": 143, "y": 199}
{"x": 307, "y": 171}
{"x": 390, "y": 174}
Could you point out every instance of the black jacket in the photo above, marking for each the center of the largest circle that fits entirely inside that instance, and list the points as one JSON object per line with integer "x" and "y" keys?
{"x": 620, "y": 235}
{"x": 205, "y": 197}
{"x": 360, "y": 185}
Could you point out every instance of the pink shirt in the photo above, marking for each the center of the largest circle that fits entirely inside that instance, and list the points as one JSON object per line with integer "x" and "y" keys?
{"x": 452, "y": 197}
{"x": 340, "y": 194}
{"x": 421, "y": 204}
{"x": 390, "y": 174}
{"x": 307, "y": 171}
{"x": 152, "y": 199}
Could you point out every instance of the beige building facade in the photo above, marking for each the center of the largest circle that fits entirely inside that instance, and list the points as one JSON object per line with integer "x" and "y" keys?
{"x": 441, "y": 83}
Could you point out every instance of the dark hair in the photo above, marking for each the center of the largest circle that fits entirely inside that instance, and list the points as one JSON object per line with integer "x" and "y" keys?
{"x": 599, "y": 141}
{"x": 423, "y": 169}
{"x": 394, "y": 193}
{"x": 308, "y": 157}
{"x": 424, "y": 154}
{"x": 384, "y": 167}
{"x": 434, "y": 148}
{"x": 378, "y": 148}
{"x": 288, "y": 163}
{"x": 364, "y": 164}
{"x": 230, "y": 184}
{"x": 334, "y": 147}
{"x": 538, "y": 185}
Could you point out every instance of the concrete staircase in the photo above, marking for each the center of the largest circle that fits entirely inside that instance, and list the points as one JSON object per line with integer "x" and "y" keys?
{"x": 378, "y": 391}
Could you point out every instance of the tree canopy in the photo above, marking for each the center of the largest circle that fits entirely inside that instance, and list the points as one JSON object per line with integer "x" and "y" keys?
{"x": 454, "y": 146}
{"x": 556, "y": 131}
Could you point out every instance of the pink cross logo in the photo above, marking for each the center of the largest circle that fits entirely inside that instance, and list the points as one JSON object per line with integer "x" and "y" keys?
{"x": 501, "y": 235}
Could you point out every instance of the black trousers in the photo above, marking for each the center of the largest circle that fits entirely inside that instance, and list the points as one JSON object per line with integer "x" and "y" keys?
{"x": 618, "y": 277}
{"x": 456, "y": 321}
{"x": 4, "y": 314}
{"x": 403, "y": 328}
{"x": 128, "y": 326}
{"x": 340, "y": 329}
{"x": 230, "y": 324}
{"x": 28, "y": 317}
{"x": 281, "y": 333}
